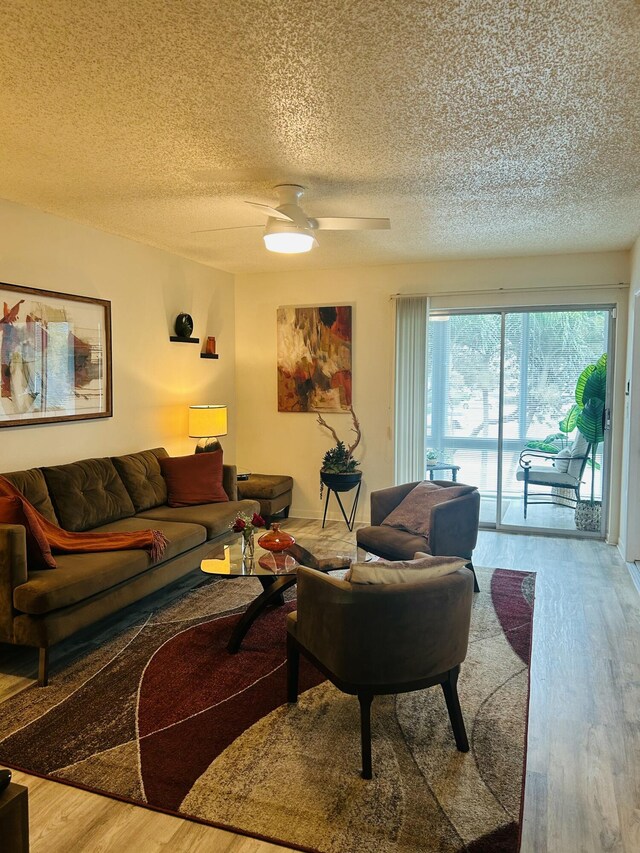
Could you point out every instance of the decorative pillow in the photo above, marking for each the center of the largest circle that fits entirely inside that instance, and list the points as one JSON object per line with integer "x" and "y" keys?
{"x": 32, "y": 485}
{"x": 87, "y": 494}
{"x": 579, "y": 450}
{"x": 425, "y": 567}
{"x": 38, "y": 550}
{"x": 561, "y": 461}
{"x": 141, "y": 475}
{"x": 413, "y": 514}
{"x": 195, "y": 479}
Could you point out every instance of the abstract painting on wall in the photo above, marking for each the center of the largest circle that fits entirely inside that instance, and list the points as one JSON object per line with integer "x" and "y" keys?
{"x": 55, "y": 357}
{"x": 314, "y": 359}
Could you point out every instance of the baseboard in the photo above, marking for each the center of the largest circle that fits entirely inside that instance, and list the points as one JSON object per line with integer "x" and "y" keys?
{"x": 312, "y": 515}
{"x": 634, "y": 571}
{"x": 624, "y": 552}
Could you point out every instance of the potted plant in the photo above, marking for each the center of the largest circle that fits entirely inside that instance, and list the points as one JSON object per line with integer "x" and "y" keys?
{"x": 339, "y": 470}
{"x": 588, "y": 415}
{"x": 552, "y": 444}
{"x": 431, "y": 456}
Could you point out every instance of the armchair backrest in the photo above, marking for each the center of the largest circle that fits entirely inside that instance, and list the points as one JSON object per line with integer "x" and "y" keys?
{"x": 385, "y": 633}
{"x": 454, "y": 526}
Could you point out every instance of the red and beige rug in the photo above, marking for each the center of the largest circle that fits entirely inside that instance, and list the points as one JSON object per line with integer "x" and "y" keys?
{"x": 162, "y": 716}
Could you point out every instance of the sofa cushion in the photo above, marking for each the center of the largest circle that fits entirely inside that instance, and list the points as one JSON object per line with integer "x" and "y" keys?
{"x": 181, "y": 536}
{"x": 142, "y": 477}
{"x": 194, "y": 479}
{"x": 87, "y": 493}
{"x": 79, "y": 576}
{"x": 33, "y": 486}
{"x": 551, "y": 476}
{"x": 39, "y": 554}
{"x": 413, "y": 514}
{"x": 391, "y": 543}
{"x": 265, "y": 486}
{"x": 216, "y": 518}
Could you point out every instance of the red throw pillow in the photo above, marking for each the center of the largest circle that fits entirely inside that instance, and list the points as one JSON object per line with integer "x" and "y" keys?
{"x": 38, "y": 550}
{"x": 194, "y": 479}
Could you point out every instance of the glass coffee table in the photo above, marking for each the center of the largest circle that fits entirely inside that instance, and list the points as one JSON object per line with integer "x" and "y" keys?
{"x": 276, "y": 572}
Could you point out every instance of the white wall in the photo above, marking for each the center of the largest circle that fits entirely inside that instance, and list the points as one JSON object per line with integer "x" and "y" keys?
{"x": 154, "y": 380}
{"x": 630, "y": 508}
{"x": 273, "y": 442}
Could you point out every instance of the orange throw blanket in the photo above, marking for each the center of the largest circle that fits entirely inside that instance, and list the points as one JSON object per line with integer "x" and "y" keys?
{"x": 50, "y": 537}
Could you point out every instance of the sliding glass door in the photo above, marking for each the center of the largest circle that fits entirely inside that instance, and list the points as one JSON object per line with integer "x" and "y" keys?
{"x": 502, "y": 412}
{"x": 463, "y": 400}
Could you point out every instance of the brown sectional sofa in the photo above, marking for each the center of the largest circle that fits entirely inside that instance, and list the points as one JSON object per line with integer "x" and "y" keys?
{"x": 123, "y": 493}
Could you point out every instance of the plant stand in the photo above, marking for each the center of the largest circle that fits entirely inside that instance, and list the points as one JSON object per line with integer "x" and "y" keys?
{"x": 350, "y": 519}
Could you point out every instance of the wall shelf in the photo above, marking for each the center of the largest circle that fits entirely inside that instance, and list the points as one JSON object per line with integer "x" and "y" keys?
{"x": 176, "y": 339}
{"x": 208, "y": 355}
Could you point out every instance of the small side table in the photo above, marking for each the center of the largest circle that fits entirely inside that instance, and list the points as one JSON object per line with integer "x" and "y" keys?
{"x": 444, "y": 466}
{"x": 14, "y": 819}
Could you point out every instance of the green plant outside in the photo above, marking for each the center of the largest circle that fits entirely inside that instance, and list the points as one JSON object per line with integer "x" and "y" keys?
{"x": 553, "y": 443}
{"x": 588, "y": 412}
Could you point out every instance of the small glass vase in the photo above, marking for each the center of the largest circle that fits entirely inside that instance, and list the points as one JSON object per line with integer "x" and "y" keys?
{"x": 248, "y": 549}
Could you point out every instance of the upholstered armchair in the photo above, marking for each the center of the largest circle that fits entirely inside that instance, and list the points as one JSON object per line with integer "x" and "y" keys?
{"x": 383, "y": 638}
{"x": 453, "y": 531}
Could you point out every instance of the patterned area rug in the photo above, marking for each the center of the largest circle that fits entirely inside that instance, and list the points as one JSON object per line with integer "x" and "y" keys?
{"x": 163, "y": 716}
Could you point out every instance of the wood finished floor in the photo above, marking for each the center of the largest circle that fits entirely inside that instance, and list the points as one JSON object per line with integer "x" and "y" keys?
{"x": 583, "y": 772}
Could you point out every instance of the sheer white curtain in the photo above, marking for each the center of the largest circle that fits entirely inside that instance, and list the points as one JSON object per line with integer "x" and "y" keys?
{"x": 412, "y": 315}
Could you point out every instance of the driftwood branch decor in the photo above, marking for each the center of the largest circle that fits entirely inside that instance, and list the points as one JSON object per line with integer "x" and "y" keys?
{"x": 355, "y": 428}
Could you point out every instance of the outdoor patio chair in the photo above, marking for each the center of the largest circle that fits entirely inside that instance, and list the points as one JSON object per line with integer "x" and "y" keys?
{"x": 565, "y": 472}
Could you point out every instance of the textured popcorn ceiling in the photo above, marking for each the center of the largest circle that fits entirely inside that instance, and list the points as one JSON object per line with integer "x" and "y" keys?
{"x": 480, "y": 127}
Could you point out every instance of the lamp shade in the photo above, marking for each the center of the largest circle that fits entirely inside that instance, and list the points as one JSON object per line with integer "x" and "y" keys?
{"x": 205, "y": 421}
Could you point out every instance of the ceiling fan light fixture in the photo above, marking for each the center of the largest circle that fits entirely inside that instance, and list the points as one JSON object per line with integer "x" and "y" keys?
{"x": 287, "y": 238}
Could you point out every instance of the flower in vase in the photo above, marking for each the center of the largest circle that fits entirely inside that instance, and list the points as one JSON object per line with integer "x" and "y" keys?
{"x": 246, "y": 524}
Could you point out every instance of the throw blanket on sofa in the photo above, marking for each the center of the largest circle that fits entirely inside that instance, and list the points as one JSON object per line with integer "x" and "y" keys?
{"x": 48, "y": 537}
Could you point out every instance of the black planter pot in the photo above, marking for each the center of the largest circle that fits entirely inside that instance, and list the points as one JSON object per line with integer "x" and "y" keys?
{"x": 341, "y": 482}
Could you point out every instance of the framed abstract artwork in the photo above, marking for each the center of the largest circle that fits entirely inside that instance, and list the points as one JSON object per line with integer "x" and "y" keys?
{"x": 55, "y": 357}
{"x": 314, "y": 359}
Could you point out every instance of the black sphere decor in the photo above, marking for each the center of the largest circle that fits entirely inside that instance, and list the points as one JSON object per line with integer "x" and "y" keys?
{"x": 184, "y": 325}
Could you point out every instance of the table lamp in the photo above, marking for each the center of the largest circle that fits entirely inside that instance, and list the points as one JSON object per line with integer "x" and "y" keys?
{"x": 205, "y": 423}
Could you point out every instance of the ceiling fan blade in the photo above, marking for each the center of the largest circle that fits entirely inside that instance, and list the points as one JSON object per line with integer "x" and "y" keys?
{"x": 270, "y": 211}
{"x": 229, "y": 228}
{"x": 348, "y": 223}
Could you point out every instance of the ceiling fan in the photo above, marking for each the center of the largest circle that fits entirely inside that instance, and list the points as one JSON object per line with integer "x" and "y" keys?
{"x": 290, "y": 231}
